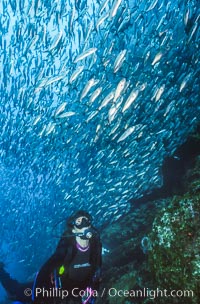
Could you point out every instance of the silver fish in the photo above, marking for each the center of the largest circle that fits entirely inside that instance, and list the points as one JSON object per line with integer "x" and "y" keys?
{"x": 95, "y": 94}
{"x": 36, "y": 120}
{"x": 106, "y": 100}
{"x": 103, "y": 6}
{"x": 195, "y": 27}
{"x": 132, "y": 97}
{"x": 101, "y": 20}
{"x": 114, "y": 8}
{"x": 119, "y": 89}
{"x": 56, "y": 40}
{"x": 152, "y": 6}
{"x": 47, "y": 81}
{"x": 49, "y": 129}
{"x": 127, "y": 133}
{"x": 60, "y": 109}
{"x": 159, "y": 92}
{"x": 184, "y": 82}
{"x": 76, "y": 73}
{"x": 157, "y": 58}
{"x": 85, "y": 54}
{"x": 119, "y": 60}
{"x": 66, "y": 144}
{"x": 88, "y": 86}
{"x": 92, "y": 115}
{"x": 186, "y": 16}
{"x": 112, "y": 113}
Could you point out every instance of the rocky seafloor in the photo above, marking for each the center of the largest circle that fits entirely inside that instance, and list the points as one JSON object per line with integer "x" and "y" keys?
{"x": 156, "y": 247}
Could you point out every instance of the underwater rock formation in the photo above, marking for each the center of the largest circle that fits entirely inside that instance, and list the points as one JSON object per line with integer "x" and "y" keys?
{"x": 175, "y": 260}
{"x": 156, "y": 247}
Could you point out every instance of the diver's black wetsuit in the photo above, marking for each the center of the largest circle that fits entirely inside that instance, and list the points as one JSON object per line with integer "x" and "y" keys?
{"x": 82, "y": 269}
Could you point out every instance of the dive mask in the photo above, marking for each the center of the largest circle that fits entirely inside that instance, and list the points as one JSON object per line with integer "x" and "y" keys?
{"x": 81, "y": 222}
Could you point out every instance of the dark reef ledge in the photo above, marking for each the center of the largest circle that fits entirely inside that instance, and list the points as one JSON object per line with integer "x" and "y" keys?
{"x": 174, "y": 169}
{"x": 157, "y": 245}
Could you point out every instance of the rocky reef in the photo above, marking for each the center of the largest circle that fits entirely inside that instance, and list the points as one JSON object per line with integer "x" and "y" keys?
{"x": 174, "y": 258}
{"x": 155, "y": 249}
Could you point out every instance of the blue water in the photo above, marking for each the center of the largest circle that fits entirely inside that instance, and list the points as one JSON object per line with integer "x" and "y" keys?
{"x": 55, "y": 159}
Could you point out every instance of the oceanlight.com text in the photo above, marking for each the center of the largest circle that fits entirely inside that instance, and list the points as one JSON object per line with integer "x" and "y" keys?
{"x": 149, "y": 293}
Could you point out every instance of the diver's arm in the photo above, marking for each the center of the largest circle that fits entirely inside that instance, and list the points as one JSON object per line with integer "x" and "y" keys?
{"x": 10, "y": 285}
{"x": 15, "y": 289}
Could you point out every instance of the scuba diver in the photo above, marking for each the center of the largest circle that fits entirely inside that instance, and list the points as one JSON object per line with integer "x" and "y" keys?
{"x": 74, "y": 268}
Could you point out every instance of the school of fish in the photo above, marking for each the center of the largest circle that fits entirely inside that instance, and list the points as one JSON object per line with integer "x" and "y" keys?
{"x": 93, "y": 96}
